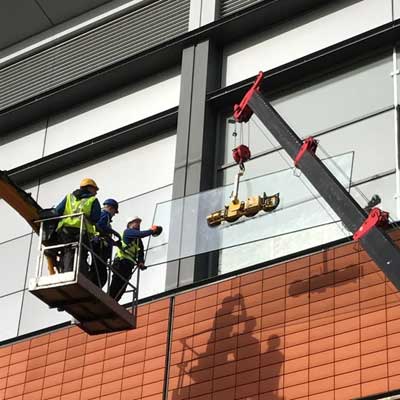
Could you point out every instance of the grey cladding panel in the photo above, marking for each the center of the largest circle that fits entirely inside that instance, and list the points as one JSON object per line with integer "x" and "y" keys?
{"x": 231, "y": 6}
{"x": 103, "y": 46}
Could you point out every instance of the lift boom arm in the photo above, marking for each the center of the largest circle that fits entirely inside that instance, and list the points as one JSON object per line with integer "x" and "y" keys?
{"x": 21, "y": 201}
{"x": 375, "y": 241}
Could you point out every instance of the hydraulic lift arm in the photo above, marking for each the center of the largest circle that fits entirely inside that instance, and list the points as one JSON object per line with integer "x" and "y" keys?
{"x": 21, "y": 201}
{"x": 24, "y": 204}
{"x": 374, "y": 240}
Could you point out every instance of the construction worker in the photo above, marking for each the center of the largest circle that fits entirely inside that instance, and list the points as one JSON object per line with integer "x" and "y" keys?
{"x": 103, "y": 242}
{"x": 130, "y": 254}
{"x": 82, "y": 200}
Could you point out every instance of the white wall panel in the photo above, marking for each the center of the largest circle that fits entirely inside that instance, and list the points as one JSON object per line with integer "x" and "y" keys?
{"x": 118, "y": 109}
{"x": 37, "y": 315}
{"x": 396, "y": 9}
{"x": 22, "y": 146}
{"x": 10, "y": 307}
{"x": 14, "y": 260}
{"x": 306, "y": 34}
{"x": 134, "y": 171}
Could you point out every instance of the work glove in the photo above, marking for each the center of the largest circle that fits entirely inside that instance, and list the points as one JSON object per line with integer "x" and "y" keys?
{"x": 141, "y": 266}
{"x": 156, "y": 230}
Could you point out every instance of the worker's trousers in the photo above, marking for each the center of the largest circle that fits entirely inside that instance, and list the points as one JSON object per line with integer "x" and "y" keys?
{"x": 103, "y": 250}
{"x": 118, "y": 285}
{"x": 69, "y": 235}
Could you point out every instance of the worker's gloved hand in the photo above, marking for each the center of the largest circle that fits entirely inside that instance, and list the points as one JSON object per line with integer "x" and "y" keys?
{"x": 117, "y": 243}
{"x": 141, "y": 266}
{"x": 156, "y": 230}
{"x": 117, "y": 235}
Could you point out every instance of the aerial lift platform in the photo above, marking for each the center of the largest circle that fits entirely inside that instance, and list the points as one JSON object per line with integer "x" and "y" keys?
{"x": 95, "y": 311}
{"x": 368, "y": 228}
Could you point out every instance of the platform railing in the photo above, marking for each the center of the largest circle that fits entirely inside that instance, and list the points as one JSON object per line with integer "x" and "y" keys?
{"x": 54, "y": 254}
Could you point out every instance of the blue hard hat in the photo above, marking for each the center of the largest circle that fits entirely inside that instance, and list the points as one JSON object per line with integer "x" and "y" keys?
{"x": 112, "y": 203}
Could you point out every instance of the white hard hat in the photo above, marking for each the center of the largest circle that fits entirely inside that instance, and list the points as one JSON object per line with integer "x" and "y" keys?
{"x": 135, "y": 218}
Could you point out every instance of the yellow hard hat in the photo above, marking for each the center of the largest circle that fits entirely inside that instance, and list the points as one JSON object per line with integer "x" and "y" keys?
{"x": 88, "y": 182}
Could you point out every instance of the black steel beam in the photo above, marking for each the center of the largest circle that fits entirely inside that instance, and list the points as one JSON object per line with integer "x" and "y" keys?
{"x": 376, "y": 242}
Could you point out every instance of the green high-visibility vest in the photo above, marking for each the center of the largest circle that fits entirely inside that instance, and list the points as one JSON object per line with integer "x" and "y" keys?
{"x": 75, "y": 206}
{"x": 128, "y": 251}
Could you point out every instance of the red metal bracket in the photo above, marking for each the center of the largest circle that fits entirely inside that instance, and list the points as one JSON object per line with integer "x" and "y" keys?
{"x": 376, "y": 217}
{"x": 310, "y": 144}
{"x": 242, "y": 112}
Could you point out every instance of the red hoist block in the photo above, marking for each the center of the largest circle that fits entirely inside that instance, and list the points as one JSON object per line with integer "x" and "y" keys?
{"x": 241, "y": 154}
{"x": 376, "y": 217}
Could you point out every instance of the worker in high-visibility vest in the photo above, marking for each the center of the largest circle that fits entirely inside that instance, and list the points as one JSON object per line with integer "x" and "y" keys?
{"x": 82, "y": 200}
{"x": 103, "y": 242}
{"x": 129, "y": 254}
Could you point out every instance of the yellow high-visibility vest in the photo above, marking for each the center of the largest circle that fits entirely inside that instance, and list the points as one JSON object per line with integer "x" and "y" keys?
{"x": 128, "y": 252}
{"x": 75, "y": 206}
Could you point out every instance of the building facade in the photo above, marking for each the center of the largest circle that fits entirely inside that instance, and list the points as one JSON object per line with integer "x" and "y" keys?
{"x": 139, "y": 95}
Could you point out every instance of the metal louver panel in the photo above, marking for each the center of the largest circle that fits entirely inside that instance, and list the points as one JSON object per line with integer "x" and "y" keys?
{"x": 100, "y": 47}
{"x": 231, "y": 6}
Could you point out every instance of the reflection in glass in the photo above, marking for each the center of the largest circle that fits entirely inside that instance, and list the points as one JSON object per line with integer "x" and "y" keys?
{"x": 186, "y": 232}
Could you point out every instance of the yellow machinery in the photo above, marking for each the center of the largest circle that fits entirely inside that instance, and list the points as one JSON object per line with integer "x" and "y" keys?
{"x": 236, "y": 208}
{"x": 24, "y": 204}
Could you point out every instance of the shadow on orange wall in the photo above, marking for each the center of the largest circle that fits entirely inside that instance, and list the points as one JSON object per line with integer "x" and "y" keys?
{"x": 217, "y": 361}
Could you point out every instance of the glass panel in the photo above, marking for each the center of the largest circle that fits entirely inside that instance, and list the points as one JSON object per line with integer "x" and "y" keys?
{"x": 131, "y": 172}
{"x": 14, "y": 225}
{"x": 304, "y": 35}
{"x": 186, "y": 232}
{"x": 37, "y": 315}
{"x": 14, "y": 259}
{"x": 115, "y": 110}
{"x": 152, "y": 280}
{"x": 10, "y": 309}
{"x": 323, "y": 106}
{"x": 272, "y": 248}
{"x": 22, "y": 146}
{"x": 267, "y": 164}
